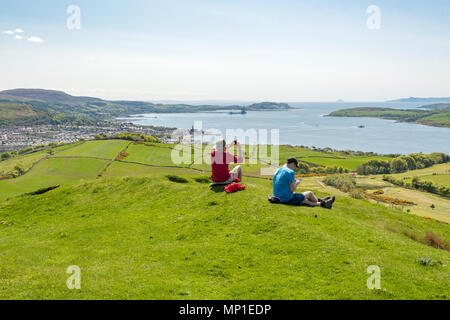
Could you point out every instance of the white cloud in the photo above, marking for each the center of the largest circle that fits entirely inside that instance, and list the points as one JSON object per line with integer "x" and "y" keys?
{"x": 35, "y": 39}
{"x": 19, "y": 31}
{"x": 8, "y": 32}
{"x": 18, "y": 37}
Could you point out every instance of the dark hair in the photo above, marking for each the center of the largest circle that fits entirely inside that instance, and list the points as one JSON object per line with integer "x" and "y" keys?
{"x": 221, "y": 143}
{"x": 292, "y": 160}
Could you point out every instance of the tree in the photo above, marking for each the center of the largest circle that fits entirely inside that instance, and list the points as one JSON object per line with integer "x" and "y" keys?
{"x": 399, "y": 165}
{"x": 5, "y": 155}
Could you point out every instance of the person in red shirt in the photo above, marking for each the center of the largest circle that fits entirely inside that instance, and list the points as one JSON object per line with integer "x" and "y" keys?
{"x": 221, "y": 160}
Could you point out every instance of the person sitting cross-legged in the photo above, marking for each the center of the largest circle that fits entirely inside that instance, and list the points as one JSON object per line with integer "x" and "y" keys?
{"x": 220, "y": 161}
{"x": 285, "y": 184}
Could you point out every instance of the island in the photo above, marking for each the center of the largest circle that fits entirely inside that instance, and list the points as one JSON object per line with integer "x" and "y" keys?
{"x": 437, "y": 115}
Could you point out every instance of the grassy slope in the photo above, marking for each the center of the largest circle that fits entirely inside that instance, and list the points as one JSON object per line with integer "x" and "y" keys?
{"x": 439, "y": 174}
{"x": 145, "y": 237}
{"x": 190, "y": 242}
{"x": 51, "y": 172}
{"x": 15, "y": 110}
{"x": 101, "y": 149}
{"x": 26, "y": 161}
{"x": 441, "y": 179}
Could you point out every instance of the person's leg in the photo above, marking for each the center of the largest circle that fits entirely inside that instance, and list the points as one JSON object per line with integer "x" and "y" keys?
{"x": 237, "y": 173}
{"x": 310, "y": 196}
{"x": 297, "y": 200}
{"x": 311, "y": 203}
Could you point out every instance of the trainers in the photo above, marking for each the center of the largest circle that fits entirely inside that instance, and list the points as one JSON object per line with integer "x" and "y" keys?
{"x": 274, "y": 200}
{"x": 324, "y": 199}
{"x": 329, "y": 203}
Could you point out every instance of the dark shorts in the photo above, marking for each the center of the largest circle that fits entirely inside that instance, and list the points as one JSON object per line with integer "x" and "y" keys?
{"x": 297, "y": 200}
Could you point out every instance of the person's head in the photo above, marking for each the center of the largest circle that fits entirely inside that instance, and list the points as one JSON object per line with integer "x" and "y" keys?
{"x": 221, "y": 146}
{"x": 292, "y": 163}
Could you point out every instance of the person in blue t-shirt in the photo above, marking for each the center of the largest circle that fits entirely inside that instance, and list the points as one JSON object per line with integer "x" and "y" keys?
{"x": 285, "y": 184}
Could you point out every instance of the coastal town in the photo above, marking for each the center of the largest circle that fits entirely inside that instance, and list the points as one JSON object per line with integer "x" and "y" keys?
{"x": 19, "y": 137}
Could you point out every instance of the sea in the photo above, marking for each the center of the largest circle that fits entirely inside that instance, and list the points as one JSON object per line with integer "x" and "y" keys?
{"x": 307, "y": 125}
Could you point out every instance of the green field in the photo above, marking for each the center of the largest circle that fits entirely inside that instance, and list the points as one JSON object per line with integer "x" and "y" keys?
{"x": 108, "y": 149}
{"x": 439, "y": 174}
{"x": 25, "y": 161}
{"x": 137, "y": 235}
{"x": 153, "y": 155}
{"x": 51, "y": 172}
{"x": 439, "y": 117}
{"x": 441, "y": 179}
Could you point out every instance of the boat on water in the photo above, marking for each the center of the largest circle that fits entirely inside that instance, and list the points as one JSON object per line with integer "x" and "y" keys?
{"x": 241, "y": 112}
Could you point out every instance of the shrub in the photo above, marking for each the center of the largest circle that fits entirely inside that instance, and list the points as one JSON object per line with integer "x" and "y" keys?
{"x": 374, "y": 167}
{"x": 303, "y": 168}
{"x": 357, "y": 194}
{"x": 399, "y": 165}
{"x": 402, "y": 163}
{"x": 202, "y": 180}
{"x": 434, "y": 241}
{"x": 5, "y": 155}
{"x": 426, "y": 261}
{"x": 416, "y": 183}
{"x": 177, "y": 179}
{"x": 342, "y": 182}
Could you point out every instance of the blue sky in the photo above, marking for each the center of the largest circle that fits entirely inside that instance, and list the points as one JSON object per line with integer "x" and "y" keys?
{"x": 235, "y": 50}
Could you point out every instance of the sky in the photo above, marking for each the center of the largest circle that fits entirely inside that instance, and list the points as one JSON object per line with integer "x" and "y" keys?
{"x": 244, "y": 50}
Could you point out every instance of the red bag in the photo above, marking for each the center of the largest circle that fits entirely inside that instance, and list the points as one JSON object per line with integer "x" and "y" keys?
{"x": 234, "y": 187}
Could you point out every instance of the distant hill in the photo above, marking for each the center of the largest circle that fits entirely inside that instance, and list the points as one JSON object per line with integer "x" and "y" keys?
{"x": 437, "y": 117}
{"x": 58, "y": 107}
{"x": 47, "y": 96}
{"x": 425, "y": 100}
{"x": 437, "y": 106}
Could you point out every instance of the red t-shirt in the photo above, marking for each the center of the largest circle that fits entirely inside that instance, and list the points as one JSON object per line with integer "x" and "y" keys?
{"x": 220, "y": 166}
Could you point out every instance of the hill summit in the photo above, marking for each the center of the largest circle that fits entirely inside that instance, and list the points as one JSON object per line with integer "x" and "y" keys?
{"x": 51, "y": 96}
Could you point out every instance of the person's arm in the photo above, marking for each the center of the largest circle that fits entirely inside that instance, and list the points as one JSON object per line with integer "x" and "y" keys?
{"x": 294, "y": 185}
{"x": 240, "y": 157}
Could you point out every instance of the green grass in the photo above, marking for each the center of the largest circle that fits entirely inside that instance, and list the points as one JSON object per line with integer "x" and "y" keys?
{"x": 106, "y": 149}
{"x": 51, "y": 172}
{"x": 25, "y": 161}
{"x": 149, "y": 238}
{"x": 123, "y": 169}
{"x": 439, "y": 174}
{"x": 441, "y": 179}
{"x": 154, "y": 155}
{"x": 435, "y": 117}
{"x": 350, "y": 163}
{"x": 137, "y": 235}
{"x": 15, "y": 110}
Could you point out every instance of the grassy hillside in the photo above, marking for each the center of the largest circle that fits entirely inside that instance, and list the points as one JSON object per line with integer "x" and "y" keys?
{"x": 20, "y": 114}
{"x": 438, "y": 117}
{"x": 137, "y": 235}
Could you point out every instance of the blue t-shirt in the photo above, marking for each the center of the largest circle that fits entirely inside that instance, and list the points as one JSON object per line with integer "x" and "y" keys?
{"x": 282, "y": 181}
